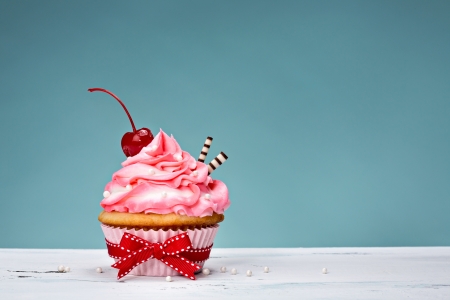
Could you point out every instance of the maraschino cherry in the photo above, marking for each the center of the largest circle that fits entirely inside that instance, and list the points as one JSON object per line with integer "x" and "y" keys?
{"x": 132, "y": 142}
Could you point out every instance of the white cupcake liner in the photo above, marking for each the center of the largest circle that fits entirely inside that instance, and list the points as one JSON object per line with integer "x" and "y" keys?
{"x": 200, "y": 238}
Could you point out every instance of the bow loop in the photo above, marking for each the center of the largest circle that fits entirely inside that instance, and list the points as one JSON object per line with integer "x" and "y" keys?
{"x": 132, "y": 242}
{"x": 177, "y": 244}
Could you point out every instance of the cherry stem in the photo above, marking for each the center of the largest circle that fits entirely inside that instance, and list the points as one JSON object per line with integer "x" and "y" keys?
{"x": 117, "y": 98}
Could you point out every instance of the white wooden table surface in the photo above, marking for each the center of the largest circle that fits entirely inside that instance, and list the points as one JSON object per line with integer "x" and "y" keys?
{"x": 295, "y": 273}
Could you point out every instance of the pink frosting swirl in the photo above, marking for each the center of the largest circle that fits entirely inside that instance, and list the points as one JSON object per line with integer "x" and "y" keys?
{"x": 164, "y": 179}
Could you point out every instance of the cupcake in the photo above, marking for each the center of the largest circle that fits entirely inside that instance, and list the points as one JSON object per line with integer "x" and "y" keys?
{"x": 162, "y": 209}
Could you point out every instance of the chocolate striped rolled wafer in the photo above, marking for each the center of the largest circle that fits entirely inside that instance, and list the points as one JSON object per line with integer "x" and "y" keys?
{"x": 216, "y": 162}
{"x": 205, "y": 149}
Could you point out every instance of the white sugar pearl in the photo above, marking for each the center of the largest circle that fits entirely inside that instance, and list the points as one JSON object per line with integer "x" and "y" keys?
{"x": 324, "y": 271}
{"x": 178, "y": 157}
{"x": 223, "y": 269}
{"x": 233, "y": 271}
{"x": 99, "y": 270}
{"x": 168, "y": 279}
{"x": 61, "y": 268}
{"x": 206, "y": 271}
{"x": 195, "y": 173}
{"x": 128, "y": 187}
{"x": 207, "y": 196}
{"x": 164, "y": 194}
{"x": 154, "y": 147}
{"x": 249, "y": 273}
{"x": 66, "y": 269}
{"x": 266, "y": 269}
{"x": 106, "y": 194}
{"x": 151, "y": 172}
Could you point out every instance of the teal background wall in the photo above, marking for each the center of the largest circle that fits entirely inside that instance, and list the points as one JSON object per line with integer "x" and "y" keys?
{"x": 335, "y": 115}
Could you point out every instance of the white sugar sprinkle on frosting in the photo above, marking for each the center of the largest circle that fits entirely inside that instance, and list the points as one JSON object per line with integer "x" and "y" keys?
{"x": 106, "y": 194}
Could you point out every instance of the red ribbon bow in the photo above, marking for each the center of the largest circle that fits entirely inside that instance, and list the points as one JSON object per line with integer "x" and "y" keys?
{"x": 176, "y": 252}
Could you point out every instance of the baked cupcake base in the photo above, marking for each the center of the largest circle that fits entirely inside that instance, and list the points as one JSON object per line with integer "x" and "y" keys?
{"x": 156, "y": 221}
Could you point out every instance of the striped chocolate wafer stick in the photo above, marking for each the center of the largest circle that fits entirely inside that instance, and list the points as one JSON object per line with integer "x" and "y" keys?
{"x": 216, "y": 162}
{"x": 205, "y": 149}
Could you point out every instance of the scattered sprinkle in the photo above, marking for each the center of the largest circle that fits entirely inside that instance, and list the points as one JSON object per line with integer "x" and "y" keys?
{"x": 206, "y": 271}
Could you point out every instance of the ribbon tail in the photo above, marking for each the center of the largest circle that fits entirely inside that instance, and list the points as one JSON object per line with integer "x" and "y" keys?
{"x": 131, "y": 261}
{"x": 182, "y": 266}
{"x": 125, "y": 265}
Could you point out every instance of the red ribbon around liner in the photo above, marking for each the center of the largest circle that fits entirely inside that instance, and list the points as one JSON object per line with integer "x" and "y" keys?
{"x": 176, "y": 252}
